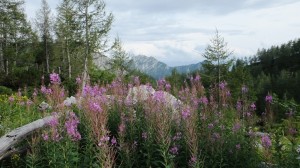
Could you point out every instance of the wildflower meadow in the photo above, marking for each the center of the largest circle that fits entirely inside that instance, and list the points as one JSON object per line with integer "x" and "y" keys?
{"x": 136, "y": 124}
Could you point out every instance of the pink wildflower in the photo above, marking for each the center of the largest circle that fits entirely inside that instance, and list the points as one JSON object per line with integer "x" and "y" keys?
{"x": 78, "y": 80}
{"x": 11, "y": 99}
{"x": 95, "y": 107}
{"x": 45, "y": 137}
{"x": 113, "y": 141}
{"x": 186, "y": 113}
{"x": 174, "y": 150}
{"x": 71, "y": 126}
{"x": 266, "y": 141}
{"x": 269, "y": 98}
{"x": 54, "y": 78}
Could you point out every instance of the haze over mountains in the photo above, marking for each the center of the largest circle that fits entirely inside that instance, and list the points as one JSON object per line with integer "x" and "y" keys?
{"x": 151, "y": 66}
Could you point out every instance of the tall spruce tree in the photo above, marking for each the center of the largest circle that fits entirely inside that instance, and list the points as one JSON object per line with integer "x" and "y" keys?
{"x": 217, "y": 61}
{"x": 120, "y": 61}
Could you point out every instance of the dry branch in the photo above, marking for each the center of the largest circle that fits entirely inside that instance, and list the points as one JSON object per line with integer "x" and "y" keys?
{"x": 10, "y": 139}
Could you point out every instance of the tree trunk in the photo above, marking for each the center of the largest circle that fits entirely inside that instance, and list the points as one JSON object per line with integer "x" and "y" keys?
{"x": 8, "y": 141}
{"x": 85, "y": 70}
{"x": 47, "y": 56}
{"x": 69, "y": 60}
{"x": 1, "y": 57}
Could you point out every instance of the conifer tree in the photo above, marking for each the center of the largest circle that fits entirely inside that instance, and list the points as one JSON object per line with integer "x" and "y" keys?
{"x": 44, "y": 24}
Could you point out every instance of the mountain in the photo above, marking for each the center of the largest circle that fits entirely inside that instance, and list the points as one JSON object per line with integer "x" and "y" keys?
{"x": 148, "y": 65}
{"x": 157, "y": 69}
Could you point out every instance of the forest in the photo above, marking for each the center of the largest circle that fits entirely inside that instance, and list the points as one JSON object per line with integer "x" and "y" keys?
{"x": 241, "y": 112}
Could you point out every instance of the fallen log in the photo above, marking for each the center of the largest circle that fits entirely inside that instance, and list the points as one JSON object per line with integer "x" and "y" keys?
{"x": 9, "y": 140}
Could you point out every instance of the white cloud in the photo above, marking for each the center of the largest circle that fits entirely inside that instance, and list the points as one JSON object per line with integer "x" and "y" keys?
{"x": 177, "y": 32}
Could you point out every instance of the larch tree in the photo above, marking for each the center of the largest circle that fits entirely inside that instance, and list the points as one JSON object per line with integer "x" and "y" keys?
{"x": 95, "y": 23}
{"x": 68, "y": 34}
{"x": 45, "y": 26}
{"x": 15, "y": 35}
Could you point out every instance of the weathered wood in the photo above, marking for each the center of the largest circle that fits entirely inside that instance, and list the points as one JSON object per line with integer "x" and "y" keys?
{"x": 10, "y": 139}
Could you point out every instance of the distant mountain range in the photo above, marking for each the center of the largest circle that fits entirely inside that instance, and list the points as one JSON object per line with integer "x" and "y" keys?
{"x": 157, "y": 69}
{"x": 150, "y": 66}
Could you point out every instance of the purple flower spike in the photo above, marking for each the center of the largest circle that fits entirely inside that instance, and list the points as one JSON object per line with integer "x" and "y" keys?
{"x": 269, "y": 98}
{"x": 266, "y": 141}
{"x": 174, "y": 150}
{"x": 54, "y": 78}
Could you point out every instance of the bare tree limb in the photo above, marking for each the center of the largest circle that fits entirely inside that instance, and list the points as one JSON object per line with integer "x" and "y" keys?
{"x": 12, "y": 138}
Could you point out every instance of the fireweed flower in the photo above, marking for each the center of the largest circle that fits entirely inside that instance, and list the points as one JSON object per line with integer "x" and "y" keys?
{"x": 236, "y": 127}
{"x": 45, "y": 137}
{"x": 44, "y": 90}
{"x": 29, "y": 103}
{"x": 95, "y": 107}
{"x": 113, "y": 141}
{"x": 292, "y": 131}
{"x": 228, "y": 94}
{"x": 239, "y": 105}
{"x": 210, "y": 125}
{"x": 216, "y": 136}
{"x": 177, "y": 136}
{"x": 78, "y": 80}
{"x": 71, "y": 126}
{"x": 121, "y": 128}
{"x": 204, "y": 100}
{"x": 193, "y": 160}
{"x": 159, "y": 97}
{"x": 11, "y": 99}
{"x": 253, "y": 107}
{"x": 197, "y": 78}
{"x": 266, "y": 141}
{"x": 290, "y": 113}
{"x": 54, "y": 121}
{"x": 168, "y": 87}
{"x": 186, "y": 113}
{"x": 222, "y": 85}
{"x": 54, "y": 78}
{"x": 174, "y": 150}
{"x": 35, "y": 92}
{"x": 103, "y": 140}
{"x": 269, "y": 98}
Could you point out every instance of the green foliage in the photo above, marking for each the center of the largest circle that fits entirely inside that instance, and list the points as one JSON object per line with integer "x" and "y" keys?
{"x": 149, "y": 133}
{"x": 5, "y": 91}
{"x": 120, "y": 61}
{"x": 217, "y": 61}
{"x": 101, "y": 76}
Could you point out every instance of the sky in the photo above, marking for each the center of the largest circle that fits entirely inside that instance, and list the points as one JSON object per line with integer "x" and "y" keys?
{"x": 177, "y": 32}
